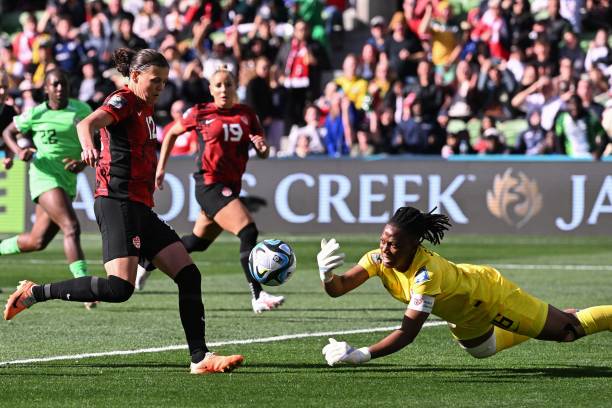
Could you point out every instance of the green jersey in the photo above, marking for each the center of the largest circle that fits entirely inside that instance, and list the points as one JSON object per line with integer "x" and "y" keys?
{"x": 54, "y": 131}
{"x": 55, "y": 137}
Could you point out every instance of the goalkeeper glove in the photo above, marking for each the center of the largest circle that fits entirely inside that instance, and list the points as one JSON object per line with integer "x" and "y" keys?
{"x": 341, "y": 351}
{"x": 328, "y": 259}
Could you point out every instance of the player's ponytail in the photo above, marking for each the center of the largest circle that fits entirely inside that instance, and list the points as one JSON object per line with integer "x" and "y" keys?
{"x": 423, "y": 226}
{"x": 127, "y": 60}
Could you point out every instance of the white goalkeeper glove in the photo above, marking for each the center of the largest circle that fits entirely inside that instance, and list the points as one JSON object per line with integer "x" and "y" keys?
{"x": 328, "y": 259}
{"x": 342, "y": 352}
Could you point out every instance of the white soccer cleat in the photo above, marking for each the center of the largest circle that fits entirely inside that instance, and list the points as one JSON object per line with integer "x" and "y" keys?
{"x": 141, "y": 277}
{"x": 266, "y": 302}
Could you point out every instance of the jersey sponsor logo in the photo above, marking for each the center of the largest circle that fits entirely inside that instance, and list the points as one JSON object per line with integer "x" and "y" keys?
{"x": 117, "y": 101}
{"x": 422, "y": 276}
{"x": 421, "y": 303}
{"x": 136, "y": 242}
{"x": 376, "y": 258}
{"x": 226, "y": 192}
{"x": 139, "y": 113}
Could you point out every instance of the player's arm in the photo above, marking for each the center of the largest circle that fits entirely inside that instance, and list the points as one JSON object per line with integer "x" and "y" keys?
{"x": 342, "y": 352}
{"x": 86, "y": 130}
{"x": 10, "y": 139}
{"x": 169, "y": 139}
{"x": 338, "y": 285}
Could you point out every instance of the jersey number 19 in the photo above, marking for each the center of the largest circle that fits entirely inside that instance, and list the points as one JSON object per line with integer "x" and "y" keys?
{"x": 232, "y": 132}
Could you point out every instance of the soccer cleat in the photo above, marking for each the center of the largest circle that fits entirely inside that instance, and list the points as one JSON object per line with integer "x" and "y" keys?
{"x": 20, "y": 300}
{"x": 266, "y": 302}
{"x": 142, "y": 274}
{"x": 214, "y": 363}
{"x": 90, "y": 305}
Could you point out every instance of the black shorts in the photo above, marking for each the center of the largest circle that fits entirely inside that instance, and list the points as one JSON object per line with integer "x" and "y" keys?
{"x": 212, "y": 197}
{"x": 131, "y": 229}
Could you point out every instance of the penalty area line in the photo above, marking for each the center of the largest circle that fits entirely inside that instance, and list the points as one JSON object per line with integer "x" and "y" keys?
{"x": 213, "y": 344}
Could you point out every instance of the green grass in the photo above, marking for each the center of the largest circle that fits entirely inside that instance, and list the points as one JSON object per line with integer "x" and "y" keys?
{"x": 433, "y": 371}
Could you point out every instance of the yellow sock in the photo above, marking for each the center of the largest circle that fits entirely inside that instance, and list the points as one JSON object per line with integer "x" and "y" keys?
{"x": 595, "y": 319}
{"x": 505, "y": 339}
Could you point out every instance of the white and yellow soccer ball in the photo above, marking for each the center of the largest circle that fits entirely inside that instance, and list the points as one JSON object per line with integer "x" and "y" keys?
{"x": 272, "y": 262}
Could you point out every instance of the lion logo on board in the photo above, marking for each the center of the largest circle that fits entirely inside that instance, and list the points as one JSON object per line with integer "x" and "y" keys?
{"x": 515, "y": 200}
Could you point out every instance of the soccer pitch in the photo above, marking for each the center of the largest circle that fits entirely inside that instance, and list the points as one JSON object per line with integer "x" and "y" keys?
{"x": 284, "y": 366}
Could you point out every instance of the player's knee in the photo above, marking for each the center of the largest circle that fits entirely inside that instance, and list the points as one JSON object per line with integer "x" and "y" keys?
{"x": 194, "y": 243}
{"x": 248, "y": 237}
{"x": 483, "y": 350}
{"x": 118, "y": 290}
{"x": 189, "y": 279}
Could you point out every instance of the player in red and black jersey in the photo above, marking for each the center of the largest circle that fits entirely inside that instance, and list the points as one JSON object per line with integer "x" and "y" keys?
{"x": 226, "y": 131}
{"x": 125, "y": 182}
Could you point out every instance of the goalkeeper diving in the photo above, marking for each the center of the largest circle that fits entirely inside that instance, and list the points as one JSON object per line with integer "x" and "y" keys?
{"x": 486, "y": 312}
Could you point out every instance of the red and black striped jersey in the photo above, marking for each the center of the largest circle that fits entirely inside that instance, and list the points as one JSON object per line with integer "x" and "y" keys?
{"x": 223, "y": 140}
{"x": 126, "y": 169}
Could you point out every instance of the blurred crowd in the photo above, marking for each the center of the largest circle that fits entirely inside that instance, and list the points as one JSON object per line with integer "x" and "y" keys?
{"x": 436, "y": 77}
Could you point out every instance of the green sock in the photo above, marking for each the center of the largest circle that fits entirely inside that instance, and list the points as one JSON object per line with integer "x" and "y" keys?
{"x": 79, "y": 268}
{"x": 9, "y": 246}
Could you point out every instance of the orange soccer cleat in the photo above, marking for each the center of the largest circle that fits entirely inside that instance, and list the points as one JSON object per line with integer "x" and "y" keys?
{"x": 20, "y": 300}
{"x": 213, "y": 363}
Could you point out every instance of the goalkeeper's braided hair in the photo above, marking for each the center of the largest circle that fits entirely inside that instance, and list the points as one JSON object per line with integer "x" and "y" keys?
{"x": 423, "y": 226}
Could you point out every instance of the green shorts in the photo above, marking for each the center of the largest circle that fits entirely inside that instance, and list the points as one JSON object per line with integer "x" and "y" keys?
{"x": 47, "y": 174}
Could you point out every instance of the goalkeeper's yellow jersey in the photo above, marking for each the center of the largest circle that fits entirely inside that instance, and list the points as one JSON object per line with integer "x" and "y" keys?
{"x": 462, "y": 292}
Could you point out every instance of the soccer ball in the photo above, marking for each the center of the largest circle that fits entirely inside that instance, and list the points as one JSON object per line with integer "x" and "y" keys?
{"x": 272, "y": 262}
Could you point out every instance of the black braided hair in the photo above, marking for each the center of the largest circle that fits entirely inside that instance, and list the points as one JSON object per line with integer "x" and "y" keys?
{"x": 423, "y": 226}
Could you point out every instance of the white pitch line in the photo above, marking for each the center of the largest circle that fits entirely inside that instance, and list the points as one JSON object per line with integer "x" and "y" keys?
{"x": 564, "y": 267}
{"x": 215, "y": 344}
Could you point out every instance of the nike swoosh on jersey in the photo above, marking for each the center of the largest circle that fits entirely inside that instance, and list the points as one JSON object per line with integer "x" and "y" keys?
{"x": 209, "y": 121}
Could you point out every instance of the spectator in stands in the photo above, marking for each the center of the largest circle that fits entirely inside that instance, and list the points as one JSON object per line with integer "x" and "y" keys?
{"x": 314, "y": 132}
{"x": 148, "y": 24}
{"x": 542, "y": 57}
{"x": 356, "y": 98}
{"x": 584, "y": 90}
{"x": 300, "y": 60}
{"x": 335, "y": 140}
{"x": 186, "y": 144}
{"x": 599, "y": 54}
{"x": 126, "y": 37}
{"x": 69, "y": 52}
{"x": 535, "y": 140}
{"x": 97, "y": 43}
{"x": 9, "y": 63}
{"x": 195, "y": 85}
{"x": 42, "y": 58}
{"x": 496, "y": 86}
{"x": 404, "y": 50}
{"x": 23, "y": 42}
{"x": 417, "y": 134}
{"x": 493, "y": 31}
{"x": 378, "y": 34}
{"x": 553, "y": 27}
{"x": 598, "y": 14}
{"x": 494, "y": 142}
{"x": 427, "y": 91}
{"x": 94, "y": 87}
{"x": 566, "y": 80}
{"x": 520, "y": 22}
{"x": 445, "y": 44}
{"x": 463, "y": 93}
{"x": 259, "y": 97}
{"x": 367, "y": 62}
{"x": 457, "y": 143}
{"x": 571, "y": 49}
{"x": 579, "y": 131}
{"x": 540, "y": 95}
